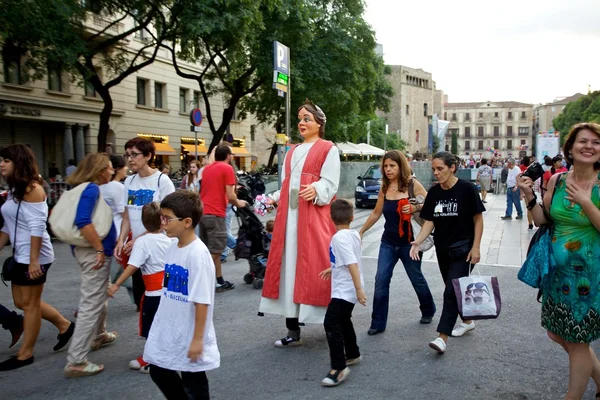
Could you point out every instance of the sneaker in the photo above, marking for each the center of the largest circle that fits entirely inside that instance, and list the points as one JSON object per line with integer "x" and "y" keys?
{"x": 506, "y": 217}
{"x": 438, "y": 345}
{"x": 426, "y": 320}
{"x": 225, "y": 286}
{"x": 374, "y": 331}
{"x": 462, "y": 329}
{"x": 335, "y": 379}
{"x": 138, "y": 363}
{"x": 352, "y": 361}
{"x": 145, "y": 369}
{"x": 288, "y": 342}
{"x": 519, "y": 216}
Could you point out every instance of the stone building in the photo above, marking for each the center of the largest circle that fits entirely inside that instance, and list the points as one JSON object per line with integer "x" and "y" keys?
{"x": 415, "y": 100}
{"x": 544, "y": 114}
{"x": 60, "y": 119}
{"x": 482, "y": 128}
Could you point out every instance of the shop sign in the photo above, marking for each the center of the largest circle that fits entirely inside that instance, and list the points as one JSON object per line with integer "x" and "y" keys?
{"x": 15, "y": 110}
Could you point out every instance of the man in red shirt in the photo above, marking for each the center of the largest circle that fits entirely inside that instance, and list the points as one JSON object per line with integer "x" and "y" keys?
{"x": 218, "y": 188}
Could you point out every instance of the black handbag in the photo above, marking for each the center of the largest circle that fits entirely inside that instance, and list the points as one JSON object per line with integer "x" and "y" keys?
{"x": 9, "y": 264}
{"x": 460, "y": 249}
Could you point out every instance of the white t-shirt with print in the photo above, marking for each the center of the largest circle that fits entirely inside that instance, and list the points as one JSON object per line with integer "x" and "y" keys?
{"x": 345, "y": 250}
{"x": 149, "y": 253}
{"x": 189, "y": 280}
{"x": 141, "y": 191}
{"x": 113, "y": 194}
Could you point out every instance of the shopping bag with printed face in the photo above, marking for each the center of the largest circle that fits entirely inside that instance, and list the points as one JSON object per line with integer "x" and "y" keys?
{"x": 478, "y": 297}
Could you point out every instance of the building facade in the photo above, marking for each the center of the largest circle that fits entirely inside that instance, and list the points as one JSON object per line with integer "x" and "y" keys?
{"x": 503, "y": 127}
{"x": 59, "y": 119}
{"x": 414, "y": 102}
{"x": 544, "y": 114}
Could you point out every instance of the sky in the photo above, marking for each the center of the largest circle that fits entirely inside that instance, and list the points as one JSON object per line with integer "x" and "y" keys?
{"x": 530, "y": 51}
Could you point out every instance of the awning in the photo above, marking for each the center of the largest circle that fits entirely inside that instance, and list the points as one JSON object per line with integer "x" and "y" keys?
{"x": 240, "y": 152}
{"x": 190, "y": 148}
{"x": 348, "y": 148}
{"x": 163, "y": 149}
{"x": 368, "y": 150}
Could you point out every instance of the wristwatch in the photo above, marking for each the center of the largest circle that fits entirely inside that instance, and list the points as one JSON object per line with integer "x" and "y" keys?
{"x": 532, "y": 203}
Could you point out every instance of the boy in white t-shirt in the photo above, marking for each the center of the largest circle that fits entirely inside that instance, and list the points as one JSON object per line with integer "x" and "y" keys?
{"x": 182, "y": 337}
{"x": 346, "y": 289}
{"x": 148, "y": 255}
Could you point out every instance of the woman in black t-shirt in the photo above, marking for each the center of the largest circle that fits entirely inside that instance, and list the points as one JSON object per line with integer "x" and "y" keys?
{"x": 455, "y": 210}
{"x": 394, "y": 204}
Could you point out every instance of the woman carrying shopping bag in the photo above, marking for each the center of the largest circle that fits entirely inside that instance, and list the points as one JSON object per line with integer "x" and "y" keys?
{"x": 454, "y": 209}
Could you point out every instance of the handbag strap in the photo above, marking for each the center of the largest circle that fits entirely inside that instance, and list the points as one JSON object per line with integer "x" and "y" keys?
{"x": 16, "y": 225}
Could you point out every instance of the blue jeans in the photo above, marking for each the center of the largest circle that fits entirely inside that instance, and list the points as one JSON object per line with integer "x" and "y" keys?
{"x": 388, "y": 257}
{"x": 513, "y": 198}
{"x": 230, "y": 239}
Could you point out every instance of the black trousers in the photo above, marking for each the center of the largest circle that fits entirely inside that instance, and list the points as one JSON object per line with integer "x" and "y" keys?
{"x": 450, "y": 269}
{"x": 340, "y": 333}
{"x": 10, "y": 320}
{"x": 139, "y": 288}
{"x": 188, "y": 386}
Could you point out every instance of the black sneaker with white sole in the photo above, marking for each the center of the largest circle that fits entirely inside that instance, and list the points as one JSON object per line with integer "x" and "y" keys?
{"x": 225, "y": 286}
{"x": 288, "y": 342}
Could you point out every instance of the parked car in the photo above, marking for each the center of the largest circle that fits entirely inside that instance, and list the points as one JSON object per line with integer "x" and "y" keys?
{"x": 367, "y": 189}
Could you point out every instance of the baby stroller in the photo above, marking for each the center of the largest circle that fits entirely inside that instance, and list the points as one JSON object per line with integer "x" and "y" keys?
{"x": 252, "y": 242}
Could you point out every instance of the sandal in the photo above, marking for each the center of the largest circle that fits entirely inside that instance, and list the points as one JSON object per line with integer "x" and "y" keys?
{"x": 336, "y": 378}
{"x": 89, "y": 369}
{"x": 107, "y": 338}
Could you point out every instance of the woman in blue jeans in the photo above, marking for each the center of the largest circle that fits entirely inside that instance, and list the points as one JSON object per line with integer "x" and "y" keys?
{"x": 396, "y": 239}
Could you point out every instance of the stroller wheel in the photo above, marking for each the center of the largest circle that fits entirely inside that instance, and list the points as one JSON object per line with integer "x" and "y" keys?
{"x": 257, "y": 284}
{"x": 248, "y": 278}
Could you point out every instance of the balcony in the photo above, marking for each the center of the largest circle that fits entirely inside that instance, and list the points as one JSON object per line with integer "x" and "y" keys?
{"x": 95, "y": 23}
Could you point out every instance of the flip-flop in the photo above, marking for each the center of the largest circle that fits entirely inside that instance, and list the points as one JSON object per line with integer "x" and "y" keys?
{"x": 89, "y": 370}
{"x": 107, "y": 338}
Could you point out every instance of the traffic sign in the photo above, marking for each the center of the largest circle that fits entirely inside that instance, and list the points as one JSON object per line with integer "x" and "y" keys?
{"x": 281, "y": 58}
{"x": 196, "y": 117}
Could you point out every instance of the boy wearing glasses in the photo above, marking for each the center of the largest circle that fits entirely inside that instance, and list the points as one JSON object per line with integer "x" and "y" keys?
{"x": 182, "y": 337}
{"x": 148, "y": 255}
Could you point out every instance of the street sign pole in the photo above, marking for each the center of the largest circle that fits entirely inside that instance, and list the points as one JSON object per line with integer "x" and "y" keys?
{"x": 385, "y": 138}
{"x": 281, "y": 82}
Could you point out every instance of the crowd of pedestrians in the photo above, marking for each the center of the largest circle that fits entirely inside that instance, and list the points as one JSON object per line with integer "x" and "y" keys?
{"x": 314, "y": 272}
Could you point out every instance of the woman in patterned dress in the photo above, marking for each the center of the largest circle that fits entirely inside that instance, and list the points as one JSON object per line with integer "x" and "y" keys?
{"x": 571, "y": 297}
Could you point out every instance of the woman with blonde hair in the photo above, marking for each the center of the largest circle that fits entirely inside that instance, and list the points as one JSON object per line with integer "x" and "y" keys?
{"x": 90, "y": 332}
{"x": 571, "y": 296}
{"x": 25, "y": 213}
{"x": 191, "y": 181}
{"x": 393, "y": 202}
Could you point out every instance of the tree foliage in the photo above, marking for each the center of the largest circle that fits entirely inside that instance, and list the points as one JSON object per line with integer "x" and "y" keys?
{"x": 584, "y": 109}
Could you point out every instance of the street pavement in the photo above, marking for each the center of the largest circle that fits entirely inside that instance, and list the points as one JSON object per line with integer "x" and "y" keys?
{"x": 507, "y": 358}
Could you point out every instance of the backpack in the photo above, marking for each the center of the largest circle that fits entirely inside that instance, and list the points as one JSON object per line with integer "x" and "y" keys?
{"x": 62, "y": 219}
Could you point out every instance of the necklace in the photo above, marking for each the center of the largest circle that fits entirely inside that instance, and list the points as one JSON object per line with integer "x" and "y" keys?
{"x": 395, "y": 188}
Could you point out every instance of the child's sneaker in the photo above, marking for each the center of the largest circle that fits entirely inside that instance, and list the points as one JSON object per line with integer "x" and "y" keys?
{"x": 337, "y": 378}
{"x": 138, "y": 363}
{"x": 288, "y": 342}
{"x": 225, "y": 286}
{"x": 145, "y": 369}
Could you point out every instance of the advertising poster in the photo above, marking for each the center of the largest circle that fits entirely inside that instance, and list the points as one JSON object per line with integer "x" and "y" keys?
{"x": 548, "y": 144}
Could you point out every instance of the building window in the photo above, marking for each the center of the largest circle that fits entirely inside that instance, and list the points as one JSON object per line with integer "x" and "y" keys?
{"x": 523, "y": 142}
{"x": 467, "y": 145}
{"x": 454, "y": 132}
{"x": 509, "y": 115}
{"x": 480, "y": 131}
{"x": 496, "y": 144}
{"x": 523, "y": 130}
{"x": 55, "y": 78}
{"x": 523, "y": 116}
{"x": 480, "y": 145}
{"x": 196, "y": 99}
{"x": 509, "y": 145}
{"x": 182, "y": 100}
{"x": 553, "y": 109}
{"x": 425, "y": 109}
{"x": 467, "y": 116}
{"x": 509, "y": 131}
{"x": 141, "y": 91}
{"x": 407, "y": 109}
{"x": 496, "y": 131}
{"x": 159, "y": 90}
{"x": 467, "y": 131}
{"x": 445, "y": 116}
{"x": 94, "y": 6}
{"x": 252, "y": 132}
{"x": 480, "y": 115}
{"x": 453, "y": 116}
{"x": 12, "y": 64}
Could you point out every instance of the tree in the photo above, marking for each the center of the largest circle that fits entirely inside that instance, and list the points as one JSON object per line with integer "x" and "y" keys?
{"x": 454, "y": 143}
{"x": 54, "y": 32}
{"x": 584, "y": 109}
{"x": 332, "y": 60}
